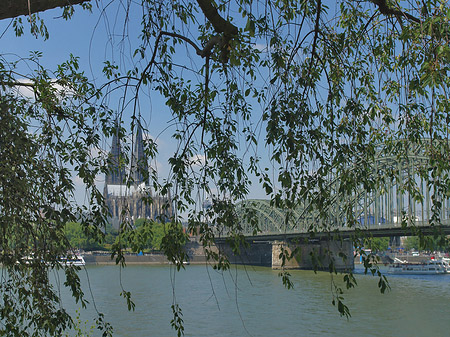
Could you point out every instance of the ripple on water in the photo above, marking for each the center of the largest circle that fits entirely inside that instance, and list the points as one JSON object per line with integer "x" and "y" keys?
{"x": 254, "y": 302}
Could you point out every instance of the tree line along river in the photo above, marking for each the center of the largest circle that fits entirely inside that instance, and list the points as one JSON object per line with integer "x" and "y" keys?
{"x": 251, "y": 301}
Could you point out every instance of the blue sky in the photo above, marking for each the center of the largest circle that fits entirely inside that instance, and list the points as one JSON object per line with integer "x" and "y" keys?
{"x": 95, "y": 37}
{"x": 85, "y": 36}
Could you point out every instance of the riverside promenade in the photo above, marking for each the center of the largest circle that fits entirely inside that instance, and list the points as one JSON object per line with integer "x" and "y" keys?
{"x": 153, "y": 258}
{"x": 264, "y": 254}
{"x": 193, "y": 250}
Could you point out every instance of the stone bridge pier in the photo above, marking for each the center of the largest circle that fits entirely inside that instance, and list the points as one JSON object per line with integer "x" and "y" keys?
{"x": 309, "y": 255}
{"x": 257, "y": 254}
{"x": 314, "y": 255}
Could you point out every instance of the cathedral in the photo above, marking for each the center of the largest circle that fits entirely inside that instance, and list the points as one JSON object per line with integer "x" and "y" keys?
{"x": 129, "y": 202}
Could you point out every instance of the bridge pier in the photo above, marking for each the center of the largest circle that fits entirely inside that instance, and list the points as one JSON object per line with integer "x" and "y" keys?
{"x": 313, "y": 255}
{"x": 310, "y": 254}
{"x": 257, "y": 254}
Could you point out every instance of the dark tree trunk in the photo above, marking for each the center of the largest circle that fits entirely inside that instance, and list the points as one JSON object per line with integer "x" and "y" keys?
{"x": 13, "y": 8}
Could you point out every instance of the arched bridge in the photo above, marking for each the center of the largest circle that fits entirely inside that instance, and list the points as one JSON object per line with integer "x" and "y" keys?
{"x": 408, "y": 193}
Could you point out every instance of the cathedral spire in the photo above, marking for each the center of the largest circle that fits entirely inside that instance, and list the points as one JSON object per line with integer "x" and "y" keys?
{"x": 139, "y": 160}
{"x": 128, "y": 202}
{"x": 116, "y": 172}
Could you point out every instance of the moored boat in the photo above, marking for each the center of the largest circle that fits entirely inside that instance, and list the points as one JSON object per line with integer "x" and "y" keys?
{"x": 74, "y": 260}
{"x": 430, "y": 267}
{"x": 71, "y": 260}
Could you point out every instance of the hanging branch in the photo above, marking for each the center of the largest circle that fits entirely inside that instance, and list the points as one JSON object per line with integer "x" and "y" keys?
{"x": 385, "y": 9}
{"x": 206, "y": 95}
{"x": 13, "y": 8}
{"x": 221, "y": 26}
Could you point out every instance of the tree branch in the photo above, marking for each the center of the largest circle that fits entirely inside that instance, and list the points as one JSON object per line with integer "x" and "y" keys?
{"x": 316, "y": 28}
{"x": 206, "y": 95}
{"x": 221, "y": 26}
{"x": 202, "y": 52}
{"x": 13, "y": 8}
{"x": 17, "y": 84}
{"x": 385, "y": 9}
{"x": 205, "y": 52}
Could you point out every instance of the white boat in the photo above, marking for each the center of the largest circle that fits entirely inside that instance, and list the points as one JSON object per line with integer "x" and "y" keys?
{"x": 430, "y": 267}
{"x": 183, "y": 263}
{"x": 74, "y": 260}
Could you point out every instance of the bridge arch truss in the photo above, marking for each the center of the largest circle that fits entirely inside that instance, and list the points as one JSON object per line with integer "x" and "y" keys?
{"x": 407, "y": 195}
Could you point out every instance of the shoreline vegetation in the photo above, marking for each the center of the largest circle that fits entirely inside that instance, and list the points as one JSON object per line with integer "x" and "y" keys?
{"x": 147, "y": 258}
{"x": 197, "y": 256}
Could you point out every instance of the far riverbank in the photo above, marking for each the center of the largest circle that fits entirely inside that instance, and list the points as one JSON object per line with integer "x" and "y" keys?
{"x": 150, "y": 259}
{"x": 193, "y": 250}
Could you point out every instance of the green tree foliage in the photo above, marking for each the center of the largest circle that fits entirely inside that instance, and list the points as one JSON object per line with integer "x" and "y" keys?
{"x": 377, "y": 244}
{"x": 426, "y": 242}
{"x": 411, "y": 243}
{"x": 146, "y": 236}
{"x": 78, "y": 239}
{"x": 286, "y": 95}
{"x": 110, "y": 235}
{"x": 149, "y": 235}
{"x": 157, "y": 231}
{"x": 35, "y": 193}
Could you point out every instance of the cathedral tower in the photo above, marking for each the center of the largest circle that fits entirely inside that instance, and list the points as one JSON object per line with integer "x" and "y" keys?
{"x": 125, "y": 191}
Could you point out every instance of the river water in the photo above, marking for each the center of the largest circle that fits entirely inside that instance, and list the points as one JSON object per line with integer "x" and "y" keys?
{"x": 251, "y": 301}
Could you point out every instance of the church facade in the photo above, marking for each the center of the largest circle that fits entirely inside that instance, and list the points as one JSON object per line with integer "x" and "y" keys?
{"x": 135, "y": 200}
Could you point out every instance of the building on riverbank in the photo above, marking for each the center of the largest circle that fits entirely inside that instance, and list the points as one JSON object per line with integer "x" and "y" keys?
{"x": 127, "y": 191}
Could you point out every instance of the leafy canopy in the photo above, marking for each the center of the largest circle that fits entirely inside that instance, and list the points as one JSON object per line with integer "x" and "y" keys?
{"x": 281, "y": 95}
